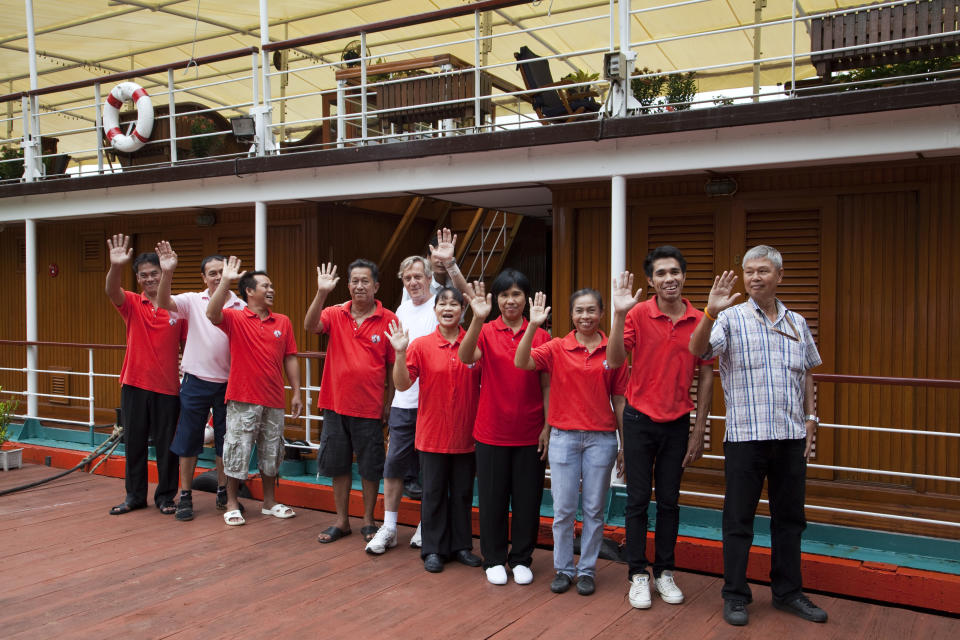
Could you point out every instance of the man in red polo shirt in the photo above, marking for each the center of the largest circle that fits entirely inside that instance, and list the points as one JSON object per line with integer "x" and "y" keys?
{"x": 356, "y": 389}
{"x": 658, "y": 443}
{"x": 149, "y": 404}
{"x": 262, "y": 348}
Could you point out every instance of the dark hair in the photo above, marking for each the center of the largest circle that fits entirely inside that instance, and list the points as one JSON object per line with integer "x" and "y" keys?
{"x": 148, "y": 258}
{"x": 454, "y": 293}
{"x": 248, "y": 281}
{"x": 209, "y": 259}
{"x": 587, "y": 292}
{"x": 666, "y": 251}
{"x": 506, "y": 279}
{"x": 432, "y": 242}
{"x": 362, "y": 263}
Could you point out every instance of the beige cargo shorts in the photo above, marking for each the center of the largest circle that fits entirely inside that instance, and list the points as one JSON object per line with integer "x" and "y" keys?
{"x": 248, "y": 424}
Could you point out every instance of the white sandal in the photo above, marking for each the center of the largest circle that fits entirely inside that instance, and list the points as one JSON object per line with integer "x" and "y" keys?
{"x": 279, "y": 511}
{"x": 234, "y": 518}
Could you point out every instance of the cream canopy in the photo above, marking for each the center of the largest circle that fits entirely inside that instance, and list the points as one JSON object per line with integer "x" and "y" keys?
{"x": 82, "y": 39}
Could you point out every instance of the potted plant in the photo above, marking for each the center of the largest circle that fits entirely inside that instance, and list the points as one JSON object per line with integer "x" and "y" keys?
{"x": 9, "y": 458}
{"x": 580, "y": 77}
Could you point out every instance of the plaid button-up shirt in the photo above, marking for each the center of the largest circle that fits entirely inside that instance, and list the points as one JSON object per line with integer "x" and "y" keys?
{"x": 763, "y": 371}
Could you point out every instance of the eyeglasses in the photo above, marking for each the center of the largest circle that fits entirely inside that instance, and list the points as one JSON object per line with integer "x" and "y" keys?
{"x": 761, "y": 318}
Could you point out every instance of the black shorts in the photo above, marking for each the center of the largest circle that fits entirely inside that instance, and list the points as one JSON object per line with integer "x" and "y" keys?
{"x": 402, "y": 460}
{"x": 342, "y": 436}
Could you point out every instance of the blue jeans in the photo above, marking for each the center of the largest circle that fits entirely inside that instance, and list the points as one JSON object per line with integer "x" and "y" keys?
{"x": 577, "y": 457}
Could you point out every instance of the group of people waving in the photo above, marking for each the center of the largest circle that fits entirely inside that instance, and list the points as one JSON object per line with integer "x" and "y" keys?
{"x": 496, "y": 401}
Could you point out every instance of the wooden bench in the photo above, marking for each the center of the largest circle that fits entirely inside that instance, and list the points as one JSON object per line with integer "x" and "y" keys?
{"x": 860, "y": 34}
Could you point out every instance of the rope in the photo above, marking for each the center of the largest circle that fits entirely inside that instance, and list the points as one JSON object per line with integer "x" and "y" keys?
{"x": 112, "y": 441}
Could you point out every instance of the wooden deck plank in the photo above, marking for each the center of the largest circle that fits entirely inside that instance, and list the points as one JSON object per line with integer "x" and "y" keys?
{"x": 72, "y": 570}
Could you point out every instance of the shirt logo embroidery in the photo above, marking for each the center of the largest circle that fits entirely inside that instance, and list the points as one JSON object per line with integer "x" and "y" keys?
{"x": 605, "y": 365}
{"x": 375, "y": 338}
{"x": 172, "y": 321}
{"x": 471, "y": 365}
{"x": 277, "y": 333}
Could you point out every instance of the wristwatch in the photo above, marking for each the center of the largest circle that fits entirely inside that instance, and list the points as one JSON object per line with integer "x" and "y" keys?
{"x": 812, "y": 418}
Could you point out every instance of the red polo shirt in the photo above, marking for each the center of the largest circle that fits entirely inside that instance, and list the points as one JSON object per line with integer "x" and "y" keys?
{"x": 153, "y": 345}
{"x": 449, "y": 392}
{"x": 663, "y": 367}
{"x": 257, "y": 350}
{"x": 355, "y": 369}
{"x": 581, "y": 384}
{"x": 510, "y": 413}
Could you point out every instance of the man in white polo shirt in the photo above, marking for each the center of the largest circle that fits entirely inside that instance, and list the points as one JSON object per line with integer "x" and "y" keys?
{"x": 206, "y": 366}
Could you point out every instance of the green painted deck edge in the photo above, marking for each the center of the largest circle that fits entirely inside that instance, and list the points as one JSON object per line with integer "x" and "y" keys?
{"x": 904, "y": 550}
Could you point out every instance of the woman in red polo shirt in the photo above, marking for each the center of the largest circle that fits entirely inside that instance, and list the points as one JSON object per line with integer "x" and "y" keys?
{"x": 585, "y": 416}
{"x": 449, "y": 391}
{"x": 510, "y": 429}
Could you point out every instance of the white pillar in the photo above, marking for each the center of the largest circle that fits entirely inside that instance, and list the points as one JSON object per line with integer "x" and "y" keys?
{"x": 31, "y": 45}
{"x": 260, "y": 237}
{"x": 618, "y": 226}
{"x": 32, "y": 361}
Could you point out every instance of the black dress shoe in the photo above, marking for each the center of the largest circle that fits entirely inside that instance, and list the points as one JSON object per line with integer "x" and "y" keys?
{"x": 433, "y": 563}
{"x": 560, "y": 583}
{"x": 801, "y": 606}
{"x": 412, "y": 489}
{"x": 586, "y": 586}
{"x": 464, "y": 556}
{"x": 735, "y": 612}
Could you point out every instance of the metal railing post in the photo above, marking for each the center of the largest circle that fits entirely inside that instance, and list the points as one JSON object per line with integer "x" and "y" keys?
{"x": 363, "y": 88}
{"x": 29, "y": 142}
{"x": 477, "y": 116}
{"x": 341, "y": 112}
{"x": 172, "y": 113}
{"x": 90, "y": 393}
{"x": 793, "y": 48}
{"x": 307, "y": 416}
{"x": 98, "y": 115}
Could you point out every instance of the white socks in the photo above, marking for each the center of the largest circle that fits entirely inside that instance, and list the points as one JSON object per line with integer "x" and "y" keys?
{"x": 390, "y": 519}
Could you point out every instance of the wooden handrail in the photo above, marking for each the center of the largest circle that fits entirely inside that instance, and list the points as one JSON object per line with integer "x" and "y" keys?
{"x": 136, "y": 73}
{"x": 394, "y": 23}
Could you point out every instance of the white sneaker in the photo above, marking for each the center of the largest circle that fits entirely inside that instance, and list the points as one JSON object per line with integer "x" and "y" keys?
{"x": 522, "y": 574}
{"x": 416, "y": 542}
{"x": 668, "y": 589}
{"x": 640, "y": 591}
{"x": 386, "y": 538}
{"x": 497, "y": 574}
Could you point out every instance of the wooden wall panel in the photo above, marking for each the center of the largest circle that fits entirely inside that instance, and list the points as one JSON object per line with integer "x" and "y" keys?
{"x": 871, "y": 262}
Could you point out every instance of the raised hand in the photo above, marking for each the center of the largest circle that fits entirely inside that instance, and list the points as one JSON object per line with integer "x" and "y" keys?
{"x": 539, "y": 311}
{"x": 399, "y": 338}
{"x": 623, "y": 301}
{"x": 231, "y": 270}
{"x": 721, "y": 296}
{"x": 327, "y": 277}
{"x": 446, "y": 245}
{"x": 168, "y": 257}
{"x": 120, "y": 251}
{"x": 481, "y": 302}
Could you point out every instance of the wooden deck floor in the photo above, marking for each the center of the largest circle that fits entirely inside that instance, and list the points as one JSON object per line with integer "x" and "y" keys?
{"x": 70, "y": 570}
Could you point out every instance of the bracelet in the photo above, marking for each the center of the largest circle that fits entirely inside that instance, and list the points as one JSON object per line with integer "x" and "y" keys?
{"x": 707, "y": 313}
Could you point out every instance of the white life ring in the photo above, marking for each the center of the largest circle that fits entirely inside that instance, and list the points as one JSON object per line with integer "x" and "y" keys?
{"x": 111, "y": 117}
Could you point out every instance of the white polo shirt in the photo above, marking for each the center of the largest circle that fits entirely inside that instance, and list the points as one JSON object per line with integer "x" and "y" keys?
{"x": 419, "y": 320}
{"x": 207, "y": 352}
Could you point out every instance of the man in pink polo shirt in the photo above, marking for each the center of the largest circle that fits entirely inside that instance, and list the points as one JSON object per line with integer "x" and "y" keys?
{"x": 262, "y": 348}
{"x": 148, "y": 396}
{"x": 356, "y": 389}
{"x": 658, "y": 442}
{"x": 206, "y": 367}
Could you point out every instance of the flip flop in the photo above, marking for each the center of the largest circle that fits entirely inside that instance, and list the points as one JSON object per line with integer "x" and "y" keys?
{"x": 125, "y": 507}
{"x": 334, "y": 533}
{"x": 368, "y": 532}
{"x": 168, "y": 508}
{"x": 233, "y": 518}
{"x": 279, "y": 511}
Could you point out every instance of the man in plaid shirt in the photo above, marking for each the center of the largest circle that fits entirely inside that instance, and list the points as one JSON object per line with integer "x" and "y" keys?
{"x": 765, "y": 353}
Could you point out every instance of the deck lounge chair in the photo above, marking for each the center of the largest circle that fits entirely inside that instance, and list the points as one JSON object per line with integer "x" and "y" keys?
{"x": 551, "y": 106}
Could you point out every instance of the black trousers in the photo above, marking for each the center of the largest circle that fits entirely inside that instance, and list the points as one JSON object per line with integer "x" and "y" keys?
{"x": 149, "y": 415}
{"x": 782, "y": 463}
{"x": 447, "y": 504}
{"x": 509, "y": 478}
{"x": 653, "y": 452}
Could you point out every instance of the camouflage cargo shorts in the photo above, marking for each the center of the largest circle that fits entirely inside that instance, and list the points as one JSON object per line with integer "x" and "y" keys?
{"x": 248, "y": 424}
